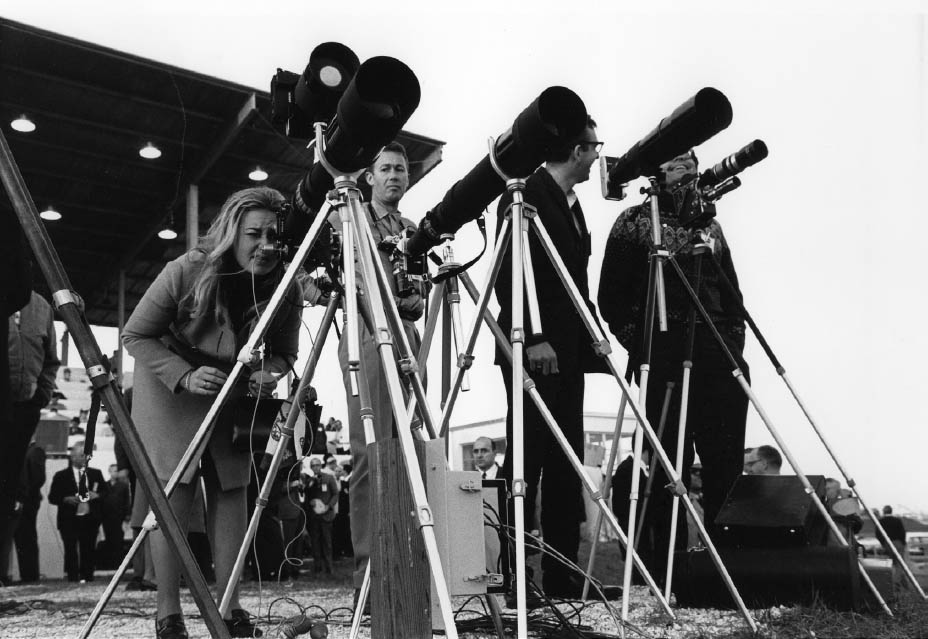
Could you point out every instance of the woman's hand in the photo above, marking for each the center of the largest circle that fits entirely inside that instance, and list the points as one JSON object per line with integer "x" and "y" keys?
{"x": 262, "y": 383}
{"x": 205, "y": 380}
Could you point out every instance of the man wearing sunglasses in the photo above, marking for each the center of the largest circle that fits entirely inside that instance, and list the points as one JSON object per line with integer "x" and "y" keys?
{"x": 557, "y": 353}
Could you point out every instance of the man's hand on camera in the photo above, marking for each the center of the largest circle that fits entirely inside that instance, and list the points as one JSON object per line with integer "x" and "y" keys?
{"x": 541, "y": 359}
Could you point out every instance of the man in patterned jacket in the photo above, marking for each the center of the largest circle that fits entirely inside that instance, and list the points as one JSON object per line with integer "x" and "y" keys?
{"x": 717, "y": 407}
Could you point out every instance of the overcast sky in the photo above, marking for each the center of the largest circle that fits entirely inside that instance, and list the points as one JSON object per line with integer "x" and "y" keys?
{"x": 826, "y": 233}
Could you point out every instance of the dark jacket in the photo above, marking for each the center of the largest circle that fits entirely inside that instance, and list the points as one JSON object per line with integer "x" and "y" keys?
{"x": 63, "y": 485}
{"x": 623, "y": 283}
{"x": 562, "y": 326}
{"x": 33, "y": 352}
{"x": 117, "y": 503}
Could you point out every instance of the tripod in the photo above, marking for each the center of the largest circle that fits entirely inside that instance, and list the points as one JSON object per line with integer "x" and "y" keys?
{"x": 735, "y": 368}
{"x": 519, "y": 220}
{"x": 68, "y": 306}
{"x": 360, "y": 251}
{"x": 773, "y": 431}
{"x": 465, "y": 359}
{"x": 283, "y": 440}
{"x": 781, "y": 371}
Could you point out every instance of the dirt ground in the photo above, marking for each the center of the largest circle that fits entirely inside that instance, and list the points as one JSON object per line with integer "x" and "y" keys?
{"x": 55, "y": 609}
{"x": 61, "y": 609}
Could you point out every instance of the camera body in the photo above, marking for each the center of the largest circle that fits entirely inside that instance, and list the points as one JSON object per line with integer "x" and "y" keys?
{"x": 409, "y": 271}
{"x": 611, "y": 190}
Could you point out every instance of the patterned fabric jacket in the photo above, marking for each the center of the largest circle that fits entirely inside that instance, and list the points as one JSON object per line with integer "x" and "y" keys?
{"x": 623, "y": 282}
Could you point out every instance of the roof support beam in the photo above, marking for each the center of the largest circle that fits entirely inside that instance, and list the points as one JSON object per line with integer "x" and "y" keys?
{"x": 233, "y": 127}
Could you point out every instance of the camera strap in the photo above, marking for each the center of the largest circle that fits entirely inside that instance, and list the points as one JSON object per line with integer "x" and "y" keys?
{"x": 482, "y": 225}
{"x": 91, "y": 432}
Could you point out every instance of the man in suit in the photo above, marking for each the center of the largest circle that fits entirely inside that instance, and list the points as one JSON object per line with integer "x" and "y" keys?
{"x": 557, "y": 354}
{"x": 78, "y": 491}
{"x": 32, "y": 478}
{"x": 485, "y": 457}
{"x": 33, "y": 362}
{"x": 15, "y": 293}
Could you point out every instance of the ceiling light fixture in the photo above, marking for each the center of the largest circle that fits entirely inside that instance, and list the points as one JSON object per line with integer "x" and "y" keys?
{"x": 50, "y": 214}
{"x": 167, "y": 232}
{"x": 23, "y": 124}
{"x": 257, "y": 175}
{"x": 150, "y": 152}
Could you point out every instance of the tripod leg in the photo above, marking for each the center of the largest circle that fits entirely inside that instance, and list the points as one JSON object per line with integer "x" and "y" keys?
{"x": 897, "y": 557}
{"x": 351, "y": 300}
{"x": 836, "y": 532}
{"x": 632, "y": 502}
{"x": 739, "y": 376}
{"x": 286, "y": 437}
{"x": 596, "y": 495}
{"x": 394, "y": 323}
{"x": 601, "y": 345}
{"x": 431, "y": 323}
{"x": 649, "y": 485}
{"x": 495, "y": 615}
{"x": 781, "y": 371}
{"x": 529, "y": 385}
{"x": 517, "y": 339}
{"x": 675, "y": 505}
{"x": 534, "y": 314}
{"x": 454, "y": 304}
{"x": 368, "y": 259}
{"x": 482, "y": 302}
{"x": 607, "y": 489}
{"x": 681, "y": 424}
{"x": 111, "y": 587}
{"x": 363, "y": 594}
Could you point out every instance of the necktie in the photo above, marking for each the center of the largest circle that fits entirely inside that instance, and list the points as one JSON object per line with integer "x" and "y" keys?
{"x": 484, "y": 473}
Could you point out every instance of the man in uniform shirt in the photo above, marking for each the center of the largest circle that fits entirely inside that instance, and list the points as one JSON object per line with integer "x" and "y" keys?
{"x": 388, "y": 178}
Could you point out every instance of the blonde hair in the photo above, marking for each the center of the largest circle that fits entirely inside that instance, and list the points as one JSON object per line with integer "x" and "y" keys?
{"x": 218, "y": 243}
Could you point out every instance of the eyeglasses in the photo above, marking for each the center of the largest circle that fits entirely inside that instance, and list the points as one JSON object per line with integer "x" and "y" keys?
{"x": 597, "y": 146}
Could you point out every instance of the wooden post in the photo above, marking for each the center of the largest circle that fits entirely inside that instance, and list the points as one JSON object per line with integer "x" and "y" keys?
{"x": 400, "y": 577}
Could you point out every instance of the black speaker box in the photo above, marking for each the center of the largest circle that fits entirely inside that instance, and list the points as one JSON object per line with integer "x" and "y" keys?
{"x": 769, "y": 577}
{"x": 771, "y": 511}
